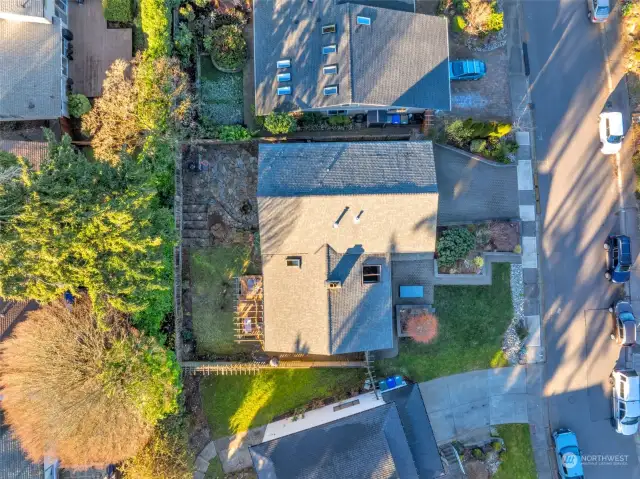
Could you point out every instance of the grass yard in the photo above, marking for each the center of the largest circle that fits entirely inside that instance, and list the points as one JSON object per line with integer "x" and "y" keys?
{"x": 212, "y": 273}
{"x": 236, "y": 403}
{"x": 472, "y": 321}
{"x": 221, "y": 94}
{"x": 518, "y": 458}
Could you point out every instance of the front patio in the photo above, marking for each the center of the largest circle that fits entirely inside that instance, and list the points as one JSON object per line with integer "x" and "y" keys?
{"x": 95, "y": 47}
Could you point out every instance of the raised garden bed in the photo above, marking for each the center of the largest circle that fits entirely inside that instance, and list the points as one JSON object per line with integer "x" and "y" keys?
{"x": 493, "y": 237}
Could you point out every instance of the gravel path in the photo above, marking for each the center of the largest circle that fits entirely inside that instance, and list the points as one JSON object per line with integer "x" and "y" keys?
{"x": 511, "y": 344}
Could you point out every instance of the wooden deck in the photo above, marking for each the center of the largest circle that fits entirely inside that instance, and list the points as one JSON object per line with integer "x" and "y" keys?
{"x": 95, "y": 47}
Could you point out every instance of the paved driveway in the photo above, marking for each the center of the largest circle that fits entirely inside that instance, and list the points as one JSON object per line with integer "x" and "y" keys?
{"x": 471, "y": 190}
{"x": 578, "y": 199}
{"x": 462, "y": 403}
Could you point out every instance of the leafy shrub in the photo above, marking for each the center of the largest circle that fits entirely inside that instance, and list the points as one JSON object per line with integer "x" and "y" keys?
{"x": 477, "y": 16}
{"x": 459, "y": 134}
{"x": 478, "y": 146}
{"x": 478, "y": 262}
{"x": 166, "y": 454}
{"x": 227, "y": 46}
{"x": 511, "y": 146}
{"x": 117, "y": 10}
{"x": 521, "y": 330}
{"x": 517, "y": 249}
{"x": 458, "y": 24}
{"x": 311, "y": 118}
{"x": 477, "y": 453}
{"x": 233, "y": 133}
{"x": 78, "y": 105}
{"x": 500, "y": 129}
{"x": 202, "y": 3}
{"x": 279, "y": 123}
{"x": 422, "y": 328}
{"x": 495, "y": 23}
{"x": 183, "y": 42}
{"x": 496, "y": 446}
{"x": 461, "y": 6}
{"x": 454, "y": 244}
{"x": 339, "y": 120}
{"x": 156, "y": 25}
{"x": 483, "y": 236}
{"x": 230, "y": 17}
{"x": 186, "y": 12}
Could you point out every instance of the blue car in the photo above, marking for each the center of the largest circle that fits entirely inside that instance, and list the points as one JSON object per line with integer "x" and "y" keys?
{"x": 619, "y": 259}
{"x": 568, "y": 454}
{"x": 467, "y": 69}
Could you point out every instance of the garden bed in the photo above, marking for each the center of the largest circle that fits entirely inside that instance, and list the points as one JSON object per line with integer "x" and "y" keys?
{"x": 411, "y": 317}
{"x": 480, "y": 23}
{"x": 489, "y": 139}
{"x": 461, "y": 248}
{"x": 221, "y": 95}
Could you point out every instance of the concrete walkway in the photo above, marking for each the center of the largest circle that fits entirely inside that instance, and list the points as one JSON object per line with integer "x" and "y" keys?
{"x": 462, "y": 403}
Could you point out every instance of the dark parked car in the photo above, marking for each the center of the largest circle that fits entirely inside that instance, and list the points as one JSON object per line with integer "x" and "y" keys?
{"x": 619, "y": 259}
{"x": 624, "y": 330}
{"x": 467, "y": 69}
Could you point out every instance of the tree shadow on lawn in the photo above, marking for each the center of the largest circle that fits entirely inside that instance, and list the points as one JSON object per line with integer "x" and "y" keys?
{"x": 236, "y": 403}
{"x": 472, "y": 322}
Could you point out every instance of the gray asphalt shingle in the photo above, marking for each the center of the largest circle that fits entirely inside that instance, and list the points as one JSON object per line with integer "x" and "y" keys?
{"x": 369, "y": 444}
{"x": 401, "y": 59}
{"x": 31, "y": 73}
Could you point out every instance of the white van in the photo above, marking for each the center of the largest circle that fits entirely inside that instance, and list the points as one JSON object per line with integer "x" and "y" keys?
{"x": 626, "y": 401}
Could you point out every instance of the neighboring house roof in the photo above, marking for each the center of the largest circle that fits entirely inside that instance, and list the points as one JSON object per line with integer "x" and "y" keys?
{"x": 367, "y": 444}
{"x": 33, "y": 151}
{"x": 29, "y": 8}
{"x": 400, "y": 59}
{"x": 31, "y": 73}
{"x": 383, "y": 197}
{"x": 418, "y": 430}
{"x": 13, "y": 463}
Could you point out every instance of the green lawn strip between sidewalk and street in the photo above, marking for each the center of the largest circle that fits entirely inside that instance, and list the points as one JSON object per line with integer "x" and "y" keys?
{"x": 471, "y": 323}
{"x": 517, "y": 460}
{"x": 236, "y": 403}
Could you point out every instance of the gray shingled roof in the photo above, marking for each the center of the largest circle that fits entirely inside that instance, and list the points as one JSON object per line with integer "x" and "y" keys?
{"x": 13, "y": 463}
{"x": 401, "y": 59}
{"x": 417, "y": 429}
{"x": 369, "y": 444}
{"x": 31, "y": 8}
{"x": 31, "y": 73}
{"x": 383, "y": 195}
{"x": 33, "y": 151}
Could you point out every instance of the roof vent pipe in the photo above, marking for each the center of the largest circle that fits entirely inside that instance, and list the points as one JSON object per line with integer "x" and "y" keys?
{"x": 356, "y": 219}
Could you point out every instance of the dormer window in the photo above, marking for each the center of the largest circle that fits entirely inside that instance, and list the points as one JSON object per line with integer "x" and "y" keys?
{"x": 331, "y": 28}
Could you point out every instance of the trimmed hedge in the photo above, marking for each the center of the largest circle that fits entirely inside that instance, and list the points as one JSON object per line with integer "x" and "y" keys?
{"x": 156, "y": 24}
{"x": 118, "y": 10}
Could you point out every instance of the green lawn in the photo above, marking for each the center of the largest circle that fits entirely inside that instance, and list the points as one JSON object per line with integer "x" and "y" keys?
{"x": 212, "y": 294}
{"x": 518, "y": 458}
{"x": 472, "y": 321}
{"x": 237, "y": 403}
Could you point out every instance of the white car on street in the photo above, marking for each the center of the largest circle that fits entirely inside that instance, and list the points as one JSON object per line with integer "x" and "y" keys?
{"x": 611, "y": 132}
{"x": 626, "y": 401}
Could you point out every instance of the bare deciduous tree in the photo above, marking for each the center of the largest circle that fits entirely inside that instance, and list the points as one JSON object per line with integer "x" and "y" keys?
{"x": 477, "y": 16}
{"x": 88, "y": 393}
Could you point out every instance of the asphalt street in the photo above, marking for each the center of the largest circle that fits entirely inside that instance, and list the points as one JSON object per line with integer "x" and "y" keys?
{"x": 579, "y": 201}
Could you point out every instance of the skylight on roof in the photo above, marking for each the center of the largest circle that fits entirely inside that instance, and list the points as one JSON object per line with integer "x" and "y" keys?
{"x": 284, "y": 77}
{"x": 286, "y": 63}
{"x": 331, "y": 90}
{"x": 331, "y": 28}
{"x": 330, "y": 69}
{"x": 284, "y": 90}
{"x": 329, "y": 49}
{"x": 363, "y": 20}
